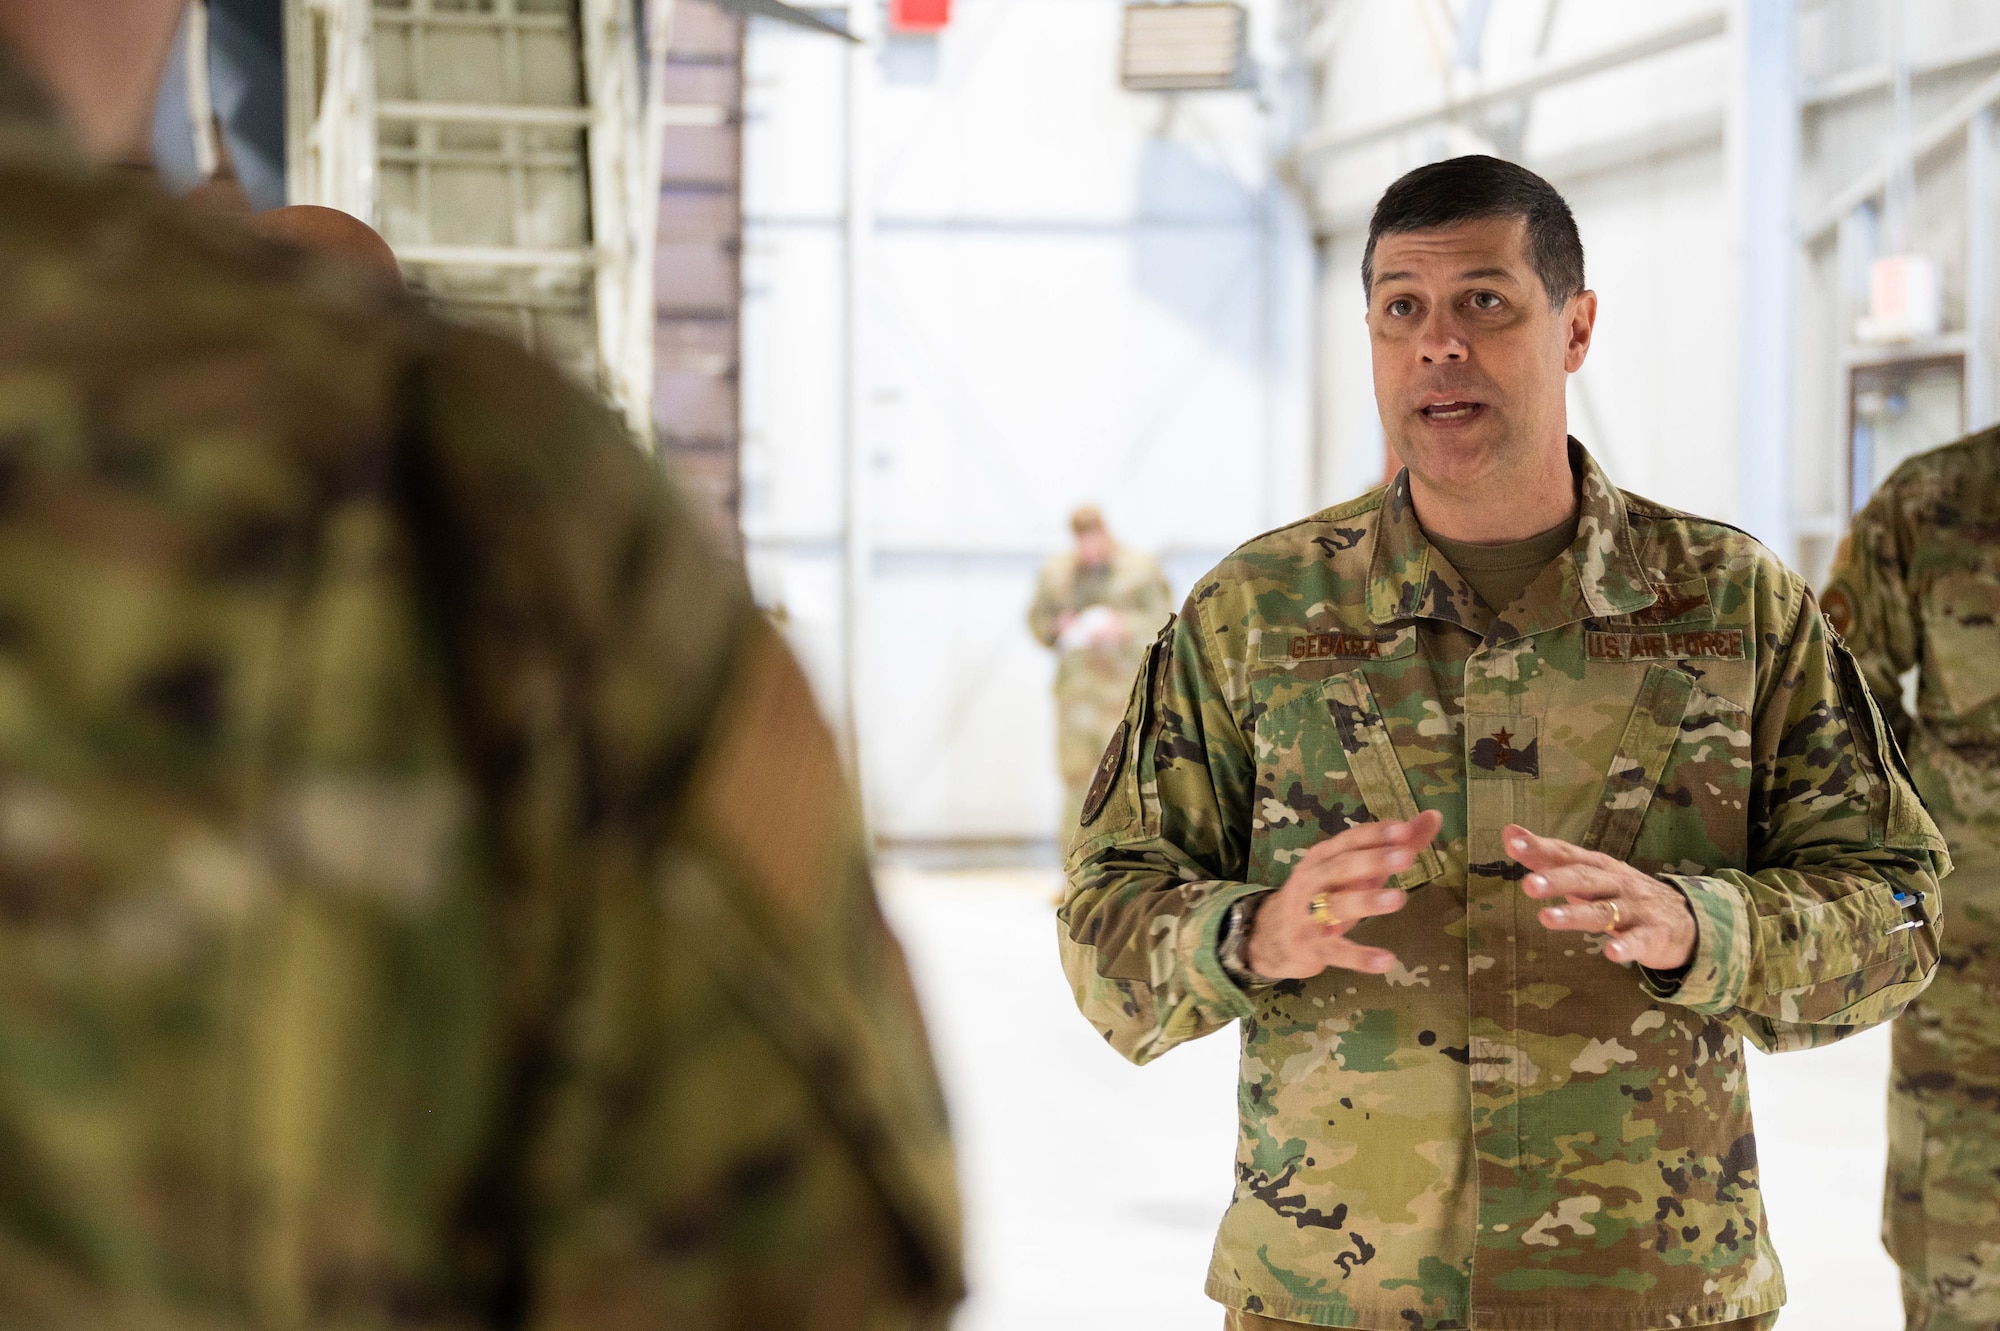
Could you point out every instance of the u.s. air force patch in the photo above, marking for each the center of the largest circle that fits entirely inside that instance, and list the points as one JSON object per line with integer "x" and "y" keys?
{"x": 1107, "y": 774}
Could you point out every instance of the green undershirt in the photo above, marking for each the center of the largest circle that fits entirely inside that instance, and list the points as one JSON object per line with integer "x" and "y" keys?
{"x": 1500, "y": 573}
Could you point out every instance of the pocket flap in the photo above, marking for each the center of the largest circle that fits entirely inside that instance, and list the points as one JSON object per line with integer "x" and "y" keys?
{"x": 1372, "y": 760}
{"x": 1651, "y": 732}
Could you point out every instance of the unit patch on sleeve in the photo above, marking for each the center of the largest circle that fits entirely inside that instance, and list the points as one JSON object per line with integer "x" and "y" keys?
{"x": 1692, "y": 644}
{"x": 1107, "y": 773}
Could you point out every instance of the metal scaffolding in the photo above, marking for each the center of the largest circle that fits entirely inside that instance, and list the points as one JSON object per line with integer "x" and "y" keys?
{"x": 502, "y": 148}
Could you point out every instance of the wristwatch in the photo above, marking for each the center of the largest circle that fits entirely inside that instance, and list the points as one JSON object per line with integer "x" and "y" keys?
{"x": 1232, "y": 947}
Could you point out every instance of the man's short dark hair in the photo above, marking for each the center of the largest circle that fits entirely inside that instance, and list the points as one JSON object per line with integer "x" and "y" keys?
{"x": 1469, "y": 189}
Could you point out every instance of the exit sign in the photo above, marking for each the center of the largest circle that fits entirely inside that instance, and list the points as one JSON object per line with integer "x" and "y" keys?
{"x": 918, "y": 15}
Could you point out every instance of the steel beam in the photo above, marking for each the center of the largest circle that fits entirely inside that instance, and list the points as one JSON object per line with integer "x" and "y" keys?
{"x": 1926, "y": 141}
{"x": 1867, "y": 79}
{"x": 497, "y": 113}
{"x": 496, "y": 256}
{"x": 1696, "y": 133}
{"x": 1549, "y": 75}
{"x": 785, "y": 13}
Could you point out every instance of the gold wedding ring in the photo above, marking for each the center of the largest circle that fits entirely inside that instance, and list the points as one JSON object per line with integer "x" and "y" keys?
{"x": 1320, "y": 911}
{"x": 1616, "y": 916}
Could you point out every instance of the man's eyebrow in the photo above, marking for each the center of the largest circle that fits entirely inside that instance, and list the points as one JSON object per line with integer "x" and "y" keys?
{"x": 1475, "y": 274}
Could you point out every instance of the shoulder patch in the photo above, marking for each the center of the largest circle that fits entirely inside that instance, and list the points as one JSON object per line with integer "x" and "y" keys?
{"x": 1838, "y": 608}
{"x": 1107, "y": 774}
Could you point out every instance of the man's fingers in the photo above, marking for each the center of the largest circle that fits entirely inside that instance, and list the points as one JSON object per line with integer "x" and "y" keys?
{"x": 1629, "y": 946}
{"x": 1344, "y": 908}
{"x": 1542, "y": 852}
{"x": 1584, "y": 882}
{"x": 1416, "y": 833}
{"x": 1363, "y": 868}
{"x": 1351, "y": 956}
{"x": 1595, "y": 917}
{"x": 1361, "y": 836}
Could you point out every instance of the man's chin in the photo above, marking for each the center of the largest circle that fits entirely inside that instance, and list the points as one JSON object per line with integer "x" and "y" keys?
{"x": 1454, "y": 456}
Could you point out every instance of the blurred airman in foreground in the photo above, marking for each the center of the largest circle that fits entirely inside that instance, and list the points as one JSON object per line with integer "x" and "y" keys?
{"x": 1096, "y": 606}
{"x": 1917, "y": 585}
{"x": 427, "y": 894}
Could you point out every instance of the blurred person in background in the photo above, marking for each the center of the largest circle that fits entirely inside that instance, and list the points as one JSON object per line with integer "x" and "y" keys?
{"x": 428, "y": 896}
{"x": 1501, "y": 807}
{"x": 1916, "y": 585}
{"x": 1096, "y": 606}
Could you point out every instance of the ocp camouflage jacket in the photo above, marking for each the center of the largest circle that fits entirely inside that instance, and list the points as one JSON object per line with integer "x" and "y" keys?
{"x": 1917, "y": 583}
{"x": 396, "y": 927}
{"x": 1507, "y": 1130}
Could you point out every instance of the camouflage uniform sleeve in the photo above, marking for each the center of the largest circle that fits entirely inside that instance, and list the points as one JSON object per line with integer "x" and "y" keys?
{"x": 1046, "y": 606}
{"x": 1811, "y": 944}
{"x": 1160, "y": 857}
{"x": 1868, "y": 603}
{"x": 721, "y": 1109}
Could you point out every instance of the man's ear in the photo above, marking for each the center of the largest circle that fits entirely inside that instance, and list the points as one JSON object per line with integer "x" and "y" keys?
{"x": 1579, "y": 322}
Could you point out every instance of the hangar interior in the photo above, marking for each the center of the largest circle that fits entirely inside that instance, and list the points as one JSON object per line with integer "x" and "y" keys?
{"x": 895, "y": 306}
{"x": 912, "y": 279}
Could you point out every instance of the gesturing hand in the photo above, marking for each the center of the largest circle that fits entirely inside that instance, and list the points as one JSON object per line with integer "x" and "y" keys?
{"x": 1349, "y": 873}
{"x": 1642, "y": 918}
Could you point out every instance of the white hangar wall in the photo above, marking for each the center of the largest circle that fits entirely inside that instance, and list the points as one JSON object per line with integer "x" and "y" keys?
{"x": 1862, "y": 406}
{"x": 1063, "y": 293}
{"x": 1050, "y": 291}
{"x": 1638, "y": 150}
{"x": 1733, "y": 169}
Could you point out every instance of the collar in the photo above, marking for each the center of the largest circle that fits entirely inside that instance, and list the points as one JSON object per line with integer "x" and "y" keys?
{"x": 1598, "y": 575}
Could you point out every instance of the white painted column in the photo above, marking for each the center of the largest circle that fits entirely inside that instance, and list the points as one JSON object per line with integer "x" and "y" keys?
{"x": 857, "y": 544}
{"x": 1763, "y": 154}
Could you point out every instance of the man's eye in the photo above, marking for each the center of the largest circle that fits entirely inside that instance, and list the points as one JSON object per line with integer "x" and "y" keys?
{"x": 1400, "y": 307}
{"x": 1485, "y": 300}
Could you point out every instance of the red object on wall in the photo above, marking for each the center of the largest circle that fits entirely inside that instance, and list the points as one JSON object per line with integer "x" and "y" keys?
{"x": 918, "y": 15}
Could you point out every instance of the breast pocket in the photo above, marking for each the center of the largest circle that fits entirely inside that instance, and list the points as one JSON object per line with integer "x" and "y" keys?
{"x": 1698, "y": 815}
{"x": 1645, "y": 744}
{"x": 1325, "y": 761}
{"x": 1962, "y": 637}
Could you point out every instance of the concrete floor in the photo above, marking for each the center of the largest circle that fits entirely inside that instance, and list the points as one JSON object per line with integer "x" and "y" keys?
{"x": 1093, "y": 1187}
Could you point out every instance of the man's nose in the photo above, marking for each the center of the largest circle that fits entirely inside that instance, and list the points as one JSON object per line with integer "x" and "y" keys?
{"x": 1443, "y": 340}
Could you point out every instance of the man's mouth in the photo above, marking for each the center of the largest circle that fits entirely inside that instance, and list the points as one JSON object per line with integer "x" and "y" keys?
{"x": 1443, "y": 412}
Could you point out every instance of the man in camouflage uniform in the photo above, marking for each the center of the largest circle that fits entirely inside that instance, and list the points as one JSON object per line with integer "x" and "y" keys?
{"x": 427, "y": 895}
{"x": 1097, "y": 606}
{"x": 1376, "y": 740}
{"x": 1917, "y": 585}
